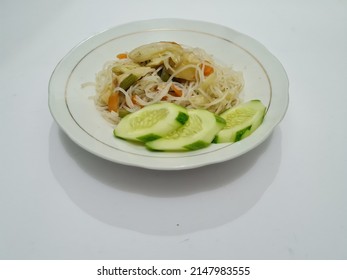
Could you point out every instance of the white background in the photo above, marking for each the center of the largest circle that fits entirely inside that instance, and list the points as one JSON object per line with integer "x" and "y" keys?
{"x": 284, "y": 200}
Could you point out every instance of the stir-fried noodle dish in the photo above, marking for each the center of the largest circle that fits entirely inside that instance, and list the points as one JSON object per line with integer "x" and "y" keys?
{"x": 165, "y": 71}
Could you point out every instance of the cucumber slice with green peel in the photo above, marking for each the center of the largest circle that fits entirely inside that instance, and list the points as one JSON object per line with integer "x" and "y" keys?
{"x": 198, "y": 132}
{"x": 151, "y": 122}
{"x": 241, "y": 121}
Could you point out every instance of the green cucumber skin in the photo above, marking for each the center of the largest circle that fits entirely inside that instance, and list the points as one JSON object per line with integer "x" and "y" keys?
{"x": 191, "y": 147}
{"x": 182, "y": 118}
{"x": 240, "y": 133}
{"x": 220, "y": 120}
{"x": 148, "y": 137}
{"x": 197, "y": 145}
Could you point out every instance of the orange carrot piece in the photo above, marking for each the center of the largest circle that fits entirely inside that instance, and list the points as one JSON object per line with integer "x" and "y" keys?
{"x": 113, "y": 102}
{"x": 133, "y": 99}
{"x": 122, "y": 55}
{"x": 208, "y": 70}
{"x": 176, "y": 91}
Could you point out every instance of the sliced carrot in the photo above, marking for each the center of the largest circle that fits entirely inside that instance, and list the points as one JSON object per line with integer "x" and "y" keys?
{"x": 208, "y": 70}
{"x": 176, "y": 91}
{"x": 113, "y": 102}
{"x": 133, "y": 99}
{"x": 122, "y": 55}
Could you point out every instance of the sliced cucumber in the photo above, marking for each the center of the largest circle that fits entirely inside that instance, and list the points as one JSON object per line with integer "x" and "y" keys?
{"x": 151, "y": 122}
{"x": 241, "y": 121}
{"x": 198, "y": 132}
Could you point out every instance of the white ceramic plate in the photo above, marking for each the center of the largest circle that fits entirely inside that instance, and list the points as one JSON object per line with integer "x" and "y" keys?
{"x": 74, "y": 110}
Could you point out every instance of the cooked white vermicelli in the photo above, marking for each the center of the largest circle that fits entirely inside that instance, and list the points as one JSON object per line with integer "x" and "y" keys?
{"x": 193, "y": 80}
